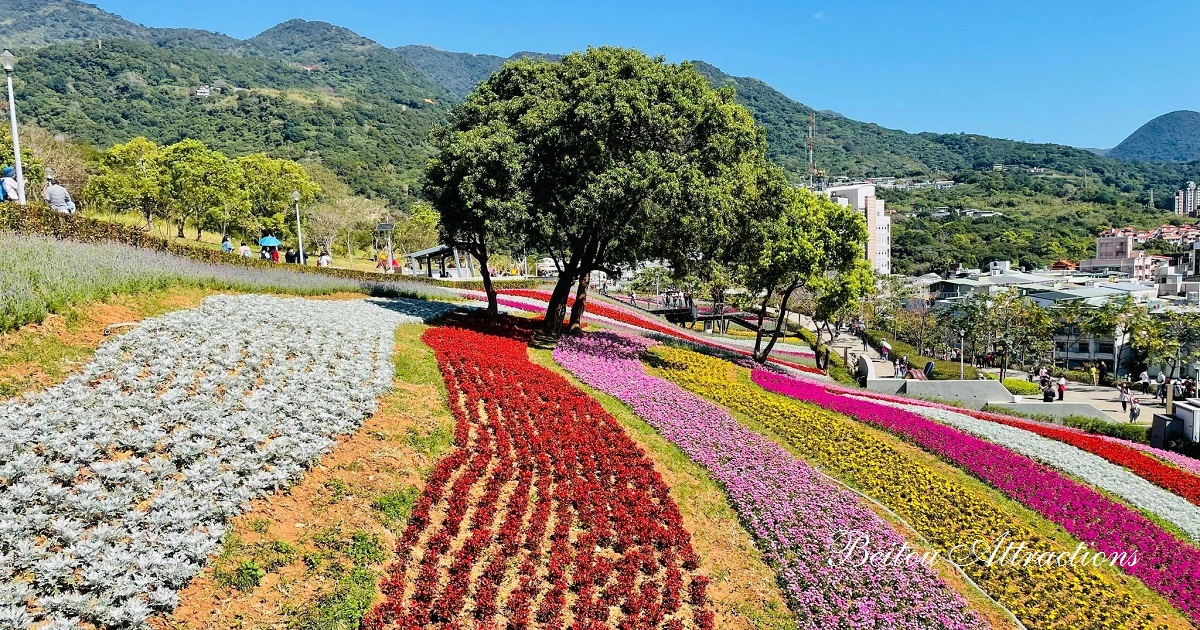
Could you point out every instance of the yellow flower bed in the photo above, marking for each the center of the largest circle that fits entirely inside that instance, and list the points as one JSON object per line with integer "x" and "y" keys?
{"x": 943, "y": 509}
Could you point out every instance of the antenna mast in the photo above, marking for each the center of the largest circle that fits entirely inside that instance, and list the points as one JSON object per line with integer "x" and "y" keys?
{"x": 812, "y": 168}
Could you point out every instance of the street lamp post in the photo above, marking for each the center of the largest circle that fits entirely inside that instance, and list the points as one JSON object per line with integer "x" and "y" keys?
{"x": 299, "y": 234}
{"x": 9, "y": 62}
{"x": 962, "y": 339}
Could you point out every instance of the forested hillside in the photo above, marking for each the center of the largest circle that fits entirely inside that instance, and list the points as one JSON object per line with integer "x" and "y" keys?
{"x": 312, "y": 90}
{"x": 366, "y": 121}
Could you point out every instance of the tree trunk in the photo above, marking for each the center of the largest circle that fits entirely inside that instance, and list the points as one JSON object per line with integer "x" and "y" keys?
{"x": 577, "y": 309}
{"x": 198, "y": 232}
{"x": 556, "y": 310}
{"x": 493, "y": 308}
{"x": 762, "y": 313}
{"x": 779, "y": 324}
{"x": 180, "y": 234}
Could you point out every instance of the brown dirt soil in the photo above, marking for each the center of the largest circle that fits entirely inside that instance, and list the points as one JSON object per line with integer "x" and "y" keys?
{"x": 310, "y": 530}
{"x": 37, "y": 356}
{"x": 743, "y": 592}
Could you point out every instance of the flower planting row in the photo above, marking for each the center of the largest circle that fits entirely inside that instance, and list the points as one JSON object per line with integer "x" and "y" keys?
{"x": 1166, "y": 564}
{"x": 1083, "y": 465}
{"x": 798, "y": 517}
{"x": 115, "y": 486}
{"x": 1183, "y": 478}
{"x": 546, "y": 514}
{"x": 645, "y": 323}
{"x": 945, "y": 510}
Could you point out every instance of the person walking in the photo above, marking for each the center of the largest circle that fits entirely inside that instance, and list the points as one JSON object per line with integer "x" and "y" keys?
{"x": 1144, "y": 379}
{"x": 1062, "y": 386}
{"x": 56, "y": 196}
{"x": 275, "y": 255}
{"x": 1095, "y": 374}
{"x": 1162, "y": 390}
{"x": 1135, "y": 410}
{"x": 9, "y": 190}
{"x": 1123, "y": 396}
{"x": 226, "y": 246}
{"x": 1161, "y": 381}
{"x": 325, "y": 260}
{"x": 290, "y": 257}
{"x": 244, "y": 250}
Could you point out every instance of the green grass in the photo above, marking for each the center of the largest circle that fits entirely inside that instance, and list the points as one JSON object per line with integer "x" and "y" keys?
{"x": 342, "y": 607}
{"x": 1018, "y": 386}
{"x": 395, "y": 507}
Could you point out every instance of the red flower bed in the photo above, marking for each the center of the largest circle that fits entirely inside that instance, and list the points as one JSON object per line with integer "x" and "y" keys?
{"x": 649, "y": 324}
{"x": 545, "y": 514}
{"x": 1149, "y": 468}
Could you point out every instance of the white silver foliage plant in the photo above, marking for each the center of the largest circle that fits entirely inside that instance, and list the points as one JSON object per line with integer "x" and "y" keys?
{"x": 116, "y": 485}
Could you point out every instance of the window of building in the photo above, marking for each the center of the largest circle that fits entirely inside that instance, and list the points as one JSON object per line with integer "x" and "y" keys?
{"x": 1105, "y": 347}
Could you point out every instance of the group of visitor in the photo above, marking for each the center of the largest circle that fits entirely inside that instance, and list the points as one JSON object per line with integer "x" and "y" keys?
{"x": 1051, "y": 389}
{"x": 54, "y": 194}
{"x": 271, "y": 254}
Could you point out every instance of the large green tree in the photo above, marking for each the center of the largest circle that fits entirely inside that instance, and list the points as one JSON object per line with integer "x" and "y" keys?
{"x": 269, "y": 185}
{"x": 474, "y": 181}
{"x": 129, "y": 178}
{"x": 814, "y": 245}
{"x": 614, "y": 158}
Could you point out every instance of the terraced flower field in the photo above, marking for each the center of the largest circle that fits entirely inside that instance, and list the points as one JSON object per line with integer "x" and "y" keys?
{"x": 790, "y": 508}
{"x": 950, "y": 510}
{"x": 121, "y": 484}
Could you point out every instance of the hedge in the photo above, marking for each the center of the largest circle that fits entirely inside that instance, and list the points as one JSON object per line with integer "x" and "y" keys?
{"x": 1018, "y": 386}
{"x": 40, "y": 220}
{"x": 1131, "y": 432}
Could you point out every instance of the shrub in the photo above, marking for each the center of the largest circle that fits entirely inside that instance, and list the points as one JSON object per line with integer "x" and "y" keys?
{"x": 1018, "y": 386}
{"x": 396, "y": 506}
{"x": 1098, "y": 426}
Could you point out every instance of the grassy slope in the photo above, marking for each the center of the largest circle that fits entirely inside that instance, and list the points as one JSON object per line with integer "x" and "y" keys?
{"x": 743, "y": 588}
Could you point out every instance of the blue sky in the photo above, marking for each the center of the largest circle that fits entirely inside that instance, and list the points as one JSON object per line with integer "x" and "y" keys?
{"x": 1078, "y": 72}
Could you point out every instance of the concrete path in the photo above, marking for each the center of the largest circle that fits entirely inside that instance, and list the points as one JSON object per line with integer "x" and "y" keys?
{"x": 1103, "y": 398}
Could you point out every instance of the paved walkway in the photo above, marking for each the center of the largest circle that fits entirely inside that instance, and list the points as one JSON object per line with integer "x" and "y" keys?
{"x": 1103, "y": 398}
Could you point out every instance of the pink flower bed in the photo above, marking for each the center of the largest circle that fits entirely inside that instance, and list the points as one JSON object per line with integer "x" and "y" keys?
{"x": 1166, "y": 564}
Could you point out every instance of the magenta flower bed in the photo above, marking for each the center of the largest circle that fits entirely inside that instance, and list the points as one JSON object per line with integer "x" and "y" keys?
{"x": 1166, "y": 564}
{"x": 793, "y": 512}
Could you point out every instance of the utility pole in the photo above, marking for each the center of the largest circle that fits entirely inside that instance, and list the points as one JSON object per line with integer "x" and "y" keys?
{"x": 299, "y": 234}
{"x": 1151, "y": 198}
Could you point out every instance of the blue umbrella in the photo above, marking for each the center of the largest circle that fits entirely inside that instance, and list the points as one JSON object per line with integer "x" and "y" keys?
{"x": 268, "y": 241}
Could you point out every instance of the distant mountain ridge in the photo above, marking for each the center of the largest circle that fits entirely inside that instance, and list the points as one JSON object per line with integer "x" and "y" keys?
{"x": 1172, "y": 137}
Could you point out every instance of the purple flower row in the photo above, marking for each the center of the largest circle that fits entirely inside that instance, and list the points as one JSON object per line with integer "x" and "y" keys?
{"x": 1167, "y": 564}
{"x": 795, "y": 514}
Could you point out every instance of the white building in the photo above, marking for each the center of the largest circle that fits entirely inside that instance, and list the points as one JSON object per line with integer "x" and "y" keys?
{"x": 861, "y": 197}
{"x": 1186, "y": 200}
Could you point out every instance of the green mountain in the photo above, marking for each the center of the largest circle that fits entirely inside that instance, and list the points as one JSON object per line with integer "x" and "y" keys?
{"x": 459, "y": 72}
{"x": 1173, "y": 137}
{"x": 313, "y": 90}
